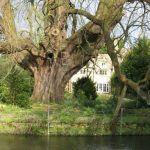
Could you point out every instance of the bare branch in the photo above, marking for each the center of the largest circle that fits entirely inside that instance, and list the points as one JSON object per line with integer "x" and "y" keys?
{"x": 86, "y": 14}
{"x": 110, "y": 49}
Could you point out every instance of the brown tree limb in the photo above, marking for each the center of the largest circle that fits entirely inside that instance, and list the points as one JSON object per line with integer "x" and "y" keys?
{"x": 5, "y": 48}
{"x": 8, "y": 22}
{"x": 86, "y": 14}
{"x": 119, "y": 102}
{"x": 114, "y": 119}
{"x": 135, "y": 86}
{"x": 25, "y": 60}
{"x": 146, "y": 78}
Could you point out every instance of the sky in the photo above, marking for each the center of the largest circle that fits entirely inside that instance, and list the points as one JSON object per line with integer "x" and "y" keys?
{"x": 22, "y": 10}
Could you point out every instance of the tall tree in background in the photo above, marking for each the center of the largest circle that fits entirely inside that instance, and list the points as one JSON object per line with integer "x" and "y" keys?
{"x": 56, "y": 58}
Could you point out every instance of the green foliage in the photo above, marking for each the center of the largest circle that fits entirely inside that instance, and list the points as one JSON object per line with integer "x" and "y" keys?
{"x": 134, "y": 103}
{"x": 20, "y": 87}
{"x": 134, "y": 66}
{"x": 71, "y": 121}
{"x": 116, "y": 85}
{"x": 121, "y": 44}
{"x": 68, "y": 96}
{"x": 16, "y": 87}
{"x": 104, "y": 105}
{"x": 103, "y": 50}
{"x": 4, "y": 92}
{"x": 136, "y": 63}
{"x": 85, "y": 91}
{"x": 129, "y": 104}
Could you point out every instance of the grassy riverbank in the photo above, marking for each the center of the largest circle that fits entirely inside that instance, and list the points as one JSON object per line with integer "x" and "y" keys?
{"x": 66, "y": 119}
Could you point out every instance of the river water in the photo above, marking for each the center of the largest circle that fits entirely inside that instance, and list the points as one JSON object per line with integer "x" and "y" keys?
{"x": 11, "y": 142}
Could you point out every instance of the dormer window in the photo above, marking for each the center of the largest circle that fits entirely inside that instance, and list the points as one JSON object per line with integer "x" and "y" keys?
{"x": 103, "y": 63}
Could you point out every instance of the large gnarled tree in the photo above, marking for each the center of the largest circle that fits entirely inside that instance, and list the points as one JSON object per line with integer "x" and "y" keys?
{"x": 56, "y": 58}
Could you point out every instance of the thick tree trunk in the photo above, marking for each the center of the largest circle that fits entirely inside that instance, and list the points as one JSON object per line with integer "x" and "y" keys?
{"x": 48, "y": 85}
{"x": 41, "y": 86}
{"x": 50, "y": 78}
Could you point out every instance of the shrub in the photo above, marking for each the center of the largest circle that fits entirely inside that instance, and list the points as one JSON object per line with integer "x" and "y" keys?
{"x": 85, "y": 91}
{"x": 16, "y": 88}
{"x": 20, "y": 84}
{"x": 4, "y": 92}
{"x": 22, "y": 100}
{"x": 105, "y": 105}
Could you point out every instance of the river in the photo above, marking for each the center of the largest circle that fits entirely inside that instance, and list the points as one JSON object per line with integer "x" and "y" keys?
{"x": 12, "y": 142}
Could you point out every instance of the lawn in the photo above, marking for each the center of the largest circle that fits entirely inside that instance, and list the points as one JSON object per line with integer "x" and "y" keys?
{"x": 70, "y": 118}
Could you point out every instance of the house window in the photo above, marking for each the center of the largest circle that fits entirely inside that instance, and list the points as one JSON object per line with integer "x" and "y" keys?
{"x": 103, "y": 72}
{"x": 103, "y": 64}
{"x": 102, "y": 88}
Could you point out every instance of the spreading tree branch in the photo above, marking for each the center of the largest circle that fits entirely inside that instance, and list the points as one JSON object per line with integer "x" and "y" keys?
{"x": 8, "y": 22}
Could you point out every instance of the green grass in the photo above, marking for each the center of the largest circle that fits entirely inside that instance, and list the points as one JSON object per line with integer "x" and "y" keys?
{"x": 70, "y": 118}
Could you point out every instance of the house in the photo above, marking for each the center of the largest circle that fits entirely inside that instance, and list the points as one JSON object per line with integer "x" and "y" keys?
{"x": 99, "y": 70}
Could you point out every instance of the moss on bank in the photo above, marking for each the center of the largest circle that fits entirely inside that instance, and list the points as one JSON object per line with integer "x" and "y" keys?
{"x": 68, "y": 120}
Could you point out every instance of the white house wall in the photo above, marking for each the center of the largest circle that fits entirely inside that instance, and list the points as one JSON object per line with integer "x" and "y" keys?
{"x": 100, "y": 72}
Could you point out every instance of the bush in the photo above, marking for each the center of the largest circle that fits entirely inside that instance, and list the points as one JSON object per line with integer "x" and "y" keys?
{"x": 105, "y": 105}
{"x": 4, "y": 92}
{"x": 22, "y": 100}
{"x": 130, "y": 104}
{"x": 20, "y": 84}
{"x": 16, "y": 88}
{"x": 85, "y": 91}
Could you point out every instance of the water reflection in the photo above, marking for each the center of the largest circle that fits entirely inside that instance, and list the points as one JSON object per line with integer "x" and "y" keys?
{"x": 8, "y": 142}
